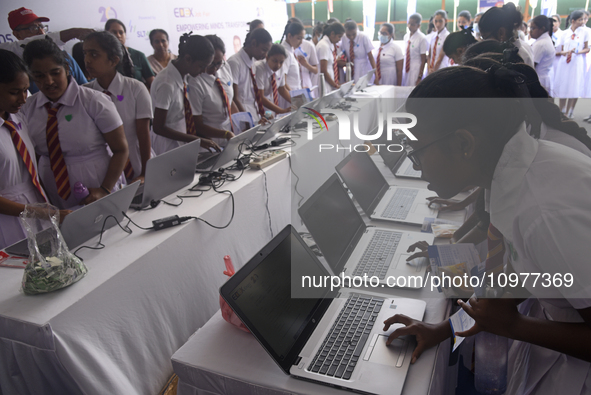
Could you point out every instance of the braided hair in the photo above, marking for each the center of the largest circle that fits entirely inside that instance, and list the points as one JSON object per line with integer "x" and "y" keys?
{"x": 292, "y": 28}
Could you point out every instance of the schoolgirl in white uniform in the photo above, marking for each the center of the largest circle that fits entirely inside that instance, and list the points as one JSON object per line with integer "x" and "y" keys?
{"x": 328, "y": 54}
{"x": 256, "y": 45}
{"x": 437, "y": 58}
{"x": 415, "y": 52}
{"x": 102, "y": 54}
{"x": 456, "y": 44}
{"x": 211, "y": 97}
{"x": 307, "y": 58}
{"x": 292, "y": 38}
{"x": 389, "y": 59}
{"x": 173, "y": 119}
{"x": 569, "y": 79}
{"x": 362, "y": 57}
{"x": 78, "y": 123}
{"x": 269, "y": 72}
{"x": 544, "y": 52}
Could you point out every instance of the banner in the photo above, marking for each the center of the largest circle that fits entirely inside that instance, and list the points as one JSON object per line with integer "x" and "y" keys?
{"x": 548, "y": 7}
{"x": 369, "y": 18}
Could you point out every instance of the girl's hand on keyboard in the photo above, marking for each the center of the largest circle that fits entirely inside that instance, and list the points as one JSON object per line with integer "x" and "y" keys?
{"x": 421, "y": 245}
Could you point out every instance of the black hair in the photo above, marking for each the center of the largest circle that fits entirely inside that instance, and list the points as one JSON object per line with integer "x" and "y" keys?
{"x": 333, "y": 20}
{"x": 466, "y": 14}
{"x": 389, "y": 27}
{"x": 197, "y": 47}
{"x": 10, "y": 66}
{"x": 336, "y": 28}
{"x": 295, "y": 19}
{"x": 574, "y": 16}
{"x": 459, "y": 39}
{"x": 254, "y": 24}
{"x": 544, "y": 23}
{"x": 318, "y": 28}
{"x": 442, "y": 13}
{"x": 114, "y": 49}
{"x": 558, "y": 18}
{"x": 113, "y": 20}
{"x": 261, "y": 36}
{"x": 494, "y": 19}
{"x": 217, "y": 42}
{"x": 350, "y": 25}
{"x": 41, "y": 49}
{"x": 416, "y": 17}
{"x": 78, "y": 55}
{"x": 277, "y": 49}
{"x": 507, "y": 49}
{"x": 431, "y": 25}
{"x": 156, "y": 31}
{"x": 292, "y": 28}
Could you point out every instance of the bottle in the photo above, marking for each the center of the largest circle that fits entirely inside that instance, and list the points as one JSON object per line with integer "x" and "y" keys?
{"x": 80, "y": 191}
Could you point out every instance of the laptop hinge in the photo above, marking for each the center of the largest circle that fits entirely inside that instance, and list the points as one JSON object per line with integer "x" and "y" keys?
{"x": 297, "y": 361}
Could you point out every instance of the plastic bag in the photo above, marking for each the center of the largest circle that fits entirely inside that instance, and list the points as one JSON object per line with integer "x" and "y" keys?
{"x": 444, "y": 230}
{"x": 51, "y": 265}
{"x": 227, "y": 311}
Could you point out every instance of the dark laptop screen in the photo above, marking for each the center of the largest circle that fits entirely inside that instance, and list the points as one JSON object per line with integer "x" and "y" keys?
{"x": 391, "y": 159}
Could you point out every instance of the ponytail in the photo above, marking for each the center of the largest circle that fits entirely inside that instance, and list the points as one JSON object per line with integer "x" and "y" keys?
{"x": 292, "y": 28}
{"x": 335, "y": 27}
{"x": 197, "y": 47}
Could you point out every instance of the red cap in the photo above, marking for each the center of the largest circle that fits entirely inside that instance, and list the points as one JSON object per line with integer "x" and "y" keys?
{"x": 23, "y": 16}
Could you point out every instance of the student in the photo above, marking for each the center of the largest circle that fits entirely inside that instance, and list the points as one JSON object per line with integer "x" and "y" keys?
{"x": 538, "y": 202}
{"x": 501, "y": 24}
{"x": 270, "y": 79}
{"x": 569, "y": 77}
{"x": 211, "y": 98}
{"x": 556, "y": 30}
{"x": 317, "y": 32}
{"x": 103, "y": 53}
{"x": 415, "y": 52}
{"x": 78, "y": 55}
{"x": 308, "y": 61}
{"x": 293, "y": 36}
{"x": 456, "y": 44}
{"x": 173, "y": 119}
{"x": 509, "y": 51}
{"x": 255, "y": 24}
{"x": 256, "y": 45}
{"x": 71, "y": 127}
{"x": 162, "y": 55}
{"x": 142, "y": 70}
{"x": 389, "y": 58}
{"x": 357, "y": 47}
{"x": 437, "y": 58}
{"x": 475, "y": 26}
{"x": 544, "y": 53}
{"x": 328, "y": 53}
{"x": 464, "y": 19}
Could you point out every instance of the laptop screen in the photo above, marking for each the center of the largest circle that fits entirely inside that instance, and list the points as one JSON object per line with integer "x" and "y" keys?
{"x": 332, "y": 219}
{"x": 391, "y": 159}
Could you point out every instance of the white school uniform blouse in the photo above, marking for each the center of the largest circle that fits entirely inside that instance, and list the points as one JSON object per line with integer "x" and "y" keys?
{"x": 525, "y": 51}
{"x": 361, "y": 47}
{"x": 569, "y": 78}
{"x": 15, "y": 179}
{"x": 418, "y": 46}
{"x": 240, "y": 64}
{"x": 539, "y": 201}
{"x": 436, "y": 51}
{"x": 309, "y": 79}
{"x": 167, "y": 94}
{"x": 263, "y": 75}
{"x": 324, "y": 49}
{"x": 544, "y": 54}
{"x": 291, "y": 68}
{"x": 391, "y": 53}
{"x": 132, "y": 100}
{"x": 83, "y": 118}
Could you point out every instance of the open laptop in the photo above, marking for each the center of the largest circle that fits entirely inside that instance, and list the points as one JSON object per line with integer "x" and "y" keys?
{"x": 310, "y": 338}
{"x": 278, "y": 126}
{"x": 378, "y": 199}
{"x": 231, "y": 151}
{"x": 167, "y": 173}
{"x": 395, "y": 158}
{"x": 83, "y": 224}
{"x": 352, "y": 248}
{"x": 363, "y": 82}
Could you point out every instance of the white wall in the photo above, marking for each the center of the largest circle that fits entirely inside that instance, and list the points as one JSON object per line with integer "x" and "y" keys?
{"x": 226, "y": 18}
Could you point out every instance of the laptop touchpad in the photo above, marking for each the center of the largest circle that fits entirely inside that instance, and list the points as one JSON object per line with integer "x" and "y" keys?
{"x": 392, "y": 355}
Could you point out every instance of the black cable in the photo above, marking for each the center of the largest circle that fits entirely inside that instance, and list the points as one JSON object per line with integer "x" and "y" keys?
{"x": 126, "y": 229}
{"x": 297, "y": 181}
{"x": 214, "y": 226}
{"x": 267, "y": 203}
{"x": 173, "y": 204}
{"x": 131, "y": 221}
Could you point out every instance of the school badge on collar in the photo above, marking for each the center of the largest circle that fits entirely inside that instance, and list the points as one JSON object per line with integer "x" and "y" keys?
{"x": 513, "y": 252}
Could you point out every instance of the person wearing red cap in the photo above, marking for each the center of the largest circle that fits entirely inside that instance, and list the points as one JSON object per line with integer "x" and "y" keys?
{"x": 27, "y": 26}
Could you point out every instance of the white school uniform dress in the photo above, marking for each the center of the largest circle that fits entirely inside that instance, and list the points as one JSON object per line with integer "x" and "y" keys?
{"x": 15, "y": 180}
{"x": 324, "y": 49}
{"x": 569, "y": 78}
{"x": 291, "y": 70}
{"x": 544, "y": 54}
{"x": 539, "y": 201}
{"x": 240, "y": 64}
{"x": 309, "y": 80}
{"x": 83, "y": 118}
{"x": 525, "y": 51}
{"x": 435, "y": 51}
{"x": 263, "y": 74}
{"x": 418, "y": 46}
{"x": 556, "y": 39}
{"x": 362, "y": 45}
{"x": 548, "y": 133}
{"x": 167, "y": 94}
{"x": 132, "y": 100}
{"x": 390, "y": 54}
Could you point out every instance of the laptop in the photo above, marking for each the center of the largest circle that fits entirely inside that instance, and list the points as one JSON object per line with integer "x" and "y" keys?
{"x": 231, "y": 151}
{"x": 280, "y": 125}
{"x": 380, "y": 200}
{"x": 363, "y": 82}
{"x": 167, "y": 173}
{"x": 83, "y": 224}
{"x": 306, "y": 337}
{"x": 395, "y": 158}
{"x": 352, "y": 248}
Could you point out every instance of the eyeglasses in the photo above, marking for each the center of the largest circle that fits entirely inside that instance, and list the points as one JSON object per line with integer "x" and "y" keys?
{"x": 34, "y": 28}
{"x": 412, "y": 153}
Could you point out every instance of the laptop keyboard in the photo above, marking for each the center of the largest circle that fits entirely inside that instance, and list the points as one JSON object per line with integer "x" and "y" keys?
{"x": 411, "y": 172}
{"x": 340, "y": 351}
{"x": 400, "y": 204}
{"x": 378, "y": 254}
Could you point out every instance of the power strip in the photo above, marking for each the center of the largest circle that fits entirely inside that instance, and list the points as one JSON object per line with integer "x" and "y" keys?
{"x": 267, "y": 158}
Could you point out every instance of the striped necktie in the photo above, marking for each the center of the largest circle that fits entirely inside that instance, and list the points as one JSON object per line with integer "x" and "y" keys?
{"x": 335, "y": 66}
{"x": 569, "y": 56}
{"x": 352, "y": 57}
{"x": 378, "y": 69}
{"x": 434, "y": 52}
{"x": 257, "y": 97}
{"x": 128, "y": 169}
{"x": 407, "y": 60}
{"x": 189, "y": 121}
{"x": 225, "y": 101}
{"x": 21, "y": 148}
{"x": 56, "y": 157}
{"x": 275, "y": 92}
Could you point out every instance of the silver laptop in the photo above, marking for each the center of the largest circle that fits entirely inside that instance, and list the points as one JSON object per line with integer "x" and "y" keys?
{"x": 363, "y": 82}
{"x": 309, "y": 338}
{"x": 395, "y": 157}
{"x": 280, "y": 125}
{"x": 352, "y": 248}
{"x": 85, "y": 223}
{"x": 167, "y": 173}
{"x": 380, "y": 200}
{"x": 236, "y": 145}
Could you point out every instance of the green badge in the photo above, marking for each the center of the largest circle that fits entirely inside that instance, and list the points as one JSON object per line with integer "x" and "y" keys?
{"x": 513, "y": 252}
{"x": 68, "y": 117}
